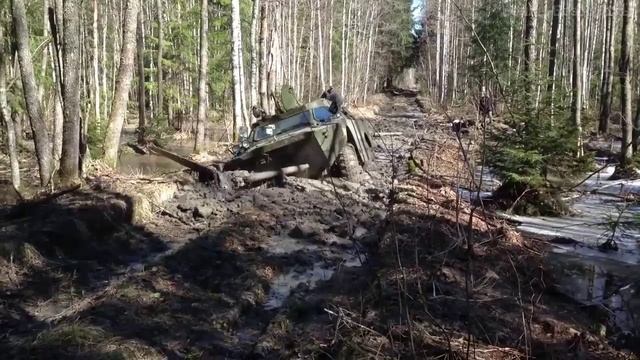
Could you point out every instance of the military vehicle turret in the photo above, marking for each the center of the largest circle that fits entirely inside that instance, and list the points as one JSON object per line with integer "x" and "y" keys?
{"x": 318, "y": 134}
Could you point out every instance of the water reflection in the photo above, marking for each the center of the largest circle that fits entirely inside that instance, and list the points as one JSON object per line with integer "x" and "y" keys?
{"x": 130, "y": 162}
{"x": 609, "y": 286}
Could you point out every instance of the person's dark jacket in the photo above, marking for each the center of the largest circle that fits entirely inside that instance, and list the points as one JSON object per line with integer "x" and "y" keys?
{"x": 335, "y": 99}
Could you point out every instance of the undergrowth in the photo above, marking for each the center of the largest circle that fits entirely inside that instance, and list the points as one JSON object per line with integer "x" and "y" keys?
{"x": 538, "y": 145}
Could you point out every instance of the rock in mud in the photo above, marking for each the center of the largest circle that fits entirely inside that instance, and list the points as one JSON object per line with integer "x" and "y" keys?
{"x": 303, "y": 231}
{"x": 202, "y": 211}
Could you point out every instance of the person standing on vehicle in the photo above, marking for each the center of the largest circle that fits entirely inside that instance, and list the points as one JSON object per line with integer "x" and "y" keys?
{"x": 335, "y": 99}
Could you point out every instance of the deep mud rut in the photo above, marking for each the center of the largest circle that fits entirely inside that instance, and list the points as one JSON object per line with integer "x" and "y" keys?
{"x": 310, "y": 269}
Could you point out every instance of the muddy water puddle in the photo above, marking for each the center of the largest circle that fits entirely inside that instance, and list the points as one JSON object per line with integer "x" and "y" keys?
{"x": 130, "y": 162}
{"x": 609, "y": 286}
{"x": 327, "y": 260}
{"x": 607, "y": 281}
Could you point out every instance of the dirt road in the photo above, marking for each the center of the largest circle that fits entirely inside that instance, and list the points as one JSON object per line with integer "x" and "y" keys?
{"x": 166, "y": 267}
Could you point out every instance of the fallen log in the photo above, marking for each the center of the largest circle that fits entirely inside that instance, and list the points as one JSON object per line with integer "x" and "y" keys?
{"x": 204, "y": 173}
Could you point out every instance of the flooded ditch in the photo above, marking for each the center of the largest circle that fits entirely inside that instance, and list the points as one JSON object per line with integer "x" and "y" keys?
{"x": 608, "y": 280}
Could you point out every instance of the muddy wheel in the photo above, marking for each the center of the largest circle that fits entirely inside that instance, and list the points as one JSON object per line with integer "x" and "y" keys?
{"x": 348, "y": 166}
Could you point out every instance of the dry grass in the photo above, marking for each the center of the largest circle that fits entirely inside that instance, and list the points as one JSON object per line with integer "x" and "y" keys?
{"x": 82, "y": 339}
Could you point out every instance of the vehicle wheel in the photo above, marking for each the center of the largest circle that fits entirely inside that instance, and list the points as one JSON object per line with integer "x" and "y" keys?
{"x": 348, "y": 166}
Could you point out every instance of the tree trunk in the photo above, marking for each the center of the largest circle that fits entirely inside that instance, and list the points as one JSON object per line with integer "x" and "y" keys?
{"x": 320, "y": 48}
{"x": 255, "y": 51}
{"x": 438, "y": 45}
{"x": 576, "y": 108}
{"x": 238, "y": 46}
{"x": 606, "y": 88}
{"x": 96, "y": 68}
{"x": 237, "y": 64}
{"x": 626, "y": 45}
{"x": 553, "y": 48}
{"x": 69, "y": 161}
{"x": 142, "y": 99}
{"x": 530, "y": 29}
{"x": 202, "y": 78}
{"x": 58, "y": 113}
{"x": 18, "y": 121}
{"x": 6, "y": 116}
{"x": 30, "y": 90}
{"x": 123, "y": 84}
{"x": 160, "y": 75}
{"x": 330, "y": 45}
{"x": 636, "y": 123}
{"x": 264, "y": 99}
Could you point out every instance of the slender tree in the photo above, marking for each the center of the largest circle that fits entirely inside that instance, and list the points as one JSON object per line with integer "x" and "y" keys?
{"x": 5, "y": 114}
{"x": 159, "y": 68}
{"x": 69, "y": 162}
{"x": 626, "y": 53}
{"x": 606, "y": 87}
{"x": 123, "y": 84}
{"x": 576, "y": 108}
{"x": 636, "y": 124}
{"x": 96, "y": 67}
{"x": 553, "y": 47}
{"x": 142, "y": 115}
{"x": 529, "y": 41}
{"x": 30, "y": 90}
{"x": 56, "y": 70}
{"x": 255, "y": 51}
{"x": 264, "y": 29}
{"x": 202, "y": 80}
{"x": 236, "y": 39}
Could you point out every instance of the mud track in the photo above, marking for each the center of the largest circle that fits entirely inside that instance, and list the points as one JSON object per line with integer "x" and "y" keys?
{"x": 311, "y": 269}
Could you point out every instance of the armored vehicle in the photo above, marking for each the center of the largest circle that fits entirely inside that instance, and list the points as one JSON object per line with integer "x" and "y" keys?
{"x": 318, "y": 136}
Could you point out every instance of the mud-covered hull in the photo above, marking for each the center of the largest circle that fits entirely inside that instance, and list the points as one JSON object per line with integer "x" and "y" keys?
{"x": 318, "y": 147}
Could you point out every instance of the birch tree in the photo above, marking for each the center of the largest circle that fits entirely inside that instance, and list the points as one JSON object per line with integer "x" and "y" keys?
{"x": 141, "y": 80}
{"x": 255, "y": 51}
{"x": 202, "y": 78}
{"x": 264, "y": 30}
{"x": 5, "y": 114}
{"x": 576, "y": 108}
{"x": 626, "y": 54}
{"x": 159, "y": 68}
{"x": 96, "y": 67}
{"x": 237, "y": 67}
{"x": 606, "y": 87}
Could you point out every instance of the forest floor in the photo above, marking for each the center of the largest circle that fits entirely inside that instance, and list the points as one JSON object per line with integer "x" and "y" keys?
{"x": 162, "y": 266}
